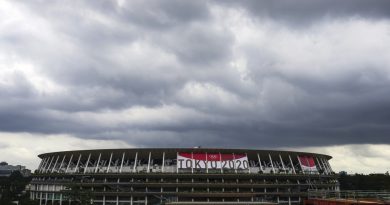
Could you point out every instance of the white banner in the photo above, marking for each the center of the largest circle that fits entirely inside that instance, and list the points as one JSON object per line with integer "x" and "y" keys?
{"x": 212, "y": 161}
{"x": 307, "y": 163}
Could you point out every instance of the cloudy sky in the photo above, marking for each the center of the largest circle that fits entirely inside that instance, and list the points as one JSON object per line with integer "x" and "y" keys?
{"x": 295, "y": 75}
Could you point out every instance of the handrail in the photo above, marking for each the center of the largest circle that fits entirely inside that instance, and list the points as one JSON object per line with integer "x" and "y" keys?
{"x": 350, "y": 195}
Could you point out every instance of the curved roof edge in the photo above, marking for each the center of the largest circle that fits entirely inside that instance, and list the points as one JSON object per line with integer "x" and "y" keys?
{"x": 201, "y": 149}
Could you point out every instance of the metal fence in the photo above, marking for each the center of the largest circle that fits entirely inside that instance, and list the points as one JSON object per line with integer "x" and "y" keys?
{"x": 383, "y": 196}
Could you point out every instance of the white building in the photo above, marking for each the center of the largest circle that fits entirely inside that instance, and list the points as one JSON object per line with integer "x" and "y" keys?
{"x": 6, "y": 170}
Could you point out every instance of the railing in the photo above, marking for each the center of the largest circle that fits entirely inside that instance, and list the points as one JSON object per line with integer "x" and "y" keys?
{"x": 382, "y": 196}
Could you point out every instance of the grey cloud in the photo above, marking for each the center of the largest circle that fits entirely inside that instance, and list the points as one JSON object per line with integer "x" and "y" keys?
{"x": 159, "y": 73}
{"x": 3, "y": 146}
{"x": 304, "y": 12}
{"x": 197, "y": 45}
{"x": 149, "y": 14}
{"x": 17, "y": 87}
{"x": 157, "y": 14}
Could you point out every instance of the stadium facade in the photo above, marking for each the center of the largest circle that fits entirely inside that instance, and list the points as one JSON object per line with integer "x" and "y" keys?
{"x": 180, "y": 176}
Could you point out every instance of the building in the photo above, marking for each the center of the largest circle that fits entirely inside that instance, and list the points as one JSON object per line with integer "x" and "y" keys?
{"x": 6, "y": 170}
{"x": 13, "y": 181}
{"x": 180, "y": 176}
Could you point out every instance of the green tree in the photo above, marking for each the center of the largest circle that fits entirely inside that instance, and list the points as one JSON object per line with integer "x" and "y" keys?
{"x": 77, "y": 195}
{"x": 365, "y": 182}
{"x": 12, "y": 189}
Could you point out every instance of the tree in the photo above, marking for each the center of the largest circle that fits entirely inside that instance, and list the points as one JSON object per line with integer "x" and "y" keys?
{"x": 77, "y": 195}
{"x": 12, "y": 188}
{"x": 365, "y": 182}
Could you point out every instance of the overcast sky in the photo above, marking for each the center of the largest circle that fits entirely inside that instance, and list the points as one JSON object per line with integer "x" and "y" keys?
{"x": 295, "y": 75}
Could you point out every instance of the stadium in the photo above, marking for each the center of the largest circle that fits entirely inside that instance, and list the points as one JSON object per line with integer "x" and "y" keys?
{"x": 180, "y": 176}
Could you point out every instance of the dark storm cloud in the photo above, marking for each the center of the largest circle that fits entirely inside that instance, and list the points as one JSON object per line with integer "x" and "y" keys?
{"x": 162, "y": 15}
{"x": 301, "y": 12}
{"x": 198, "y": 45}
{"x": 185, "y": 73}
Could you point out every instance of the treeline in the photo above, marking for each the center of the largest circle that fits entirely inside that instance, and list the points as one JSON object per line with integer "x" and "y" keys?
{"x": 365, "y": 182}
{"x": 12, "y": 188}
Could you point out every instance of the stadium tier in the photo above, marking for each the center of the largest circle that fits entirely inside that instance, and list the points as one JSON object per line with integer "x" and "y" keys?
{"x": 180, "y": 176}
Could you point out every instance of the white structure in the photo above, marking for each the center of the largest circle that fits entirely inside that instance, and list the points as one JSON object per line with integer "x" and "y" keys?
{"x": 6, "y": 170}
{"x": 181, "y": 176}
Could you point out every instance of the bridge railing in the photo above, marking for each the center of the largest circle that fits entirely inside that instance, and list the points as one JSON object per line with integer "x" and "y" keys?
{"x": 383, "y": 196}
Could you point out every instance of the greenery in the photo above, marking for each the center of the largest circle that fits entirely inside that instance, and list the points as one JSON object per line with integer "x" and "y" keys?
{"x": 365, "y": 182}
{"x": 78, "y": 196}
{"x": 12, "y": 189}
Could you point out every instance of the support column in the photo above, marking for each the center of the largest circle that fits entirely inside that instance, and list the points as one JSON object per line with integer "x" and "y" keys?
{"x": 325, "y": 168}
{"x": 135, "y": 161}
{"x": 62, "y": 162}
{"x": 97, "y": 164}
{"x": 55, "y": 163}
{"x": 326, "y": 165}
{"x": 46, "y": 194}
{"x": 249, "y": 167}
{"x": 163, "y": 163}
{"x": 48, "y": 164}
{"x": 272, "y": 164}
{"x": 261, "y": 167}
{"x": 319, "y": 164}
{"x": 77, "y": 164}
{"x": 177, "y": 163}
{"x": 123, "y": 158}
{"x": 48, "y": 167}
{"x": 43, "y": 165}
{"x": 109, "y": 163}
{"x": 150, "y": 156}
{"x": 299, "y": 162}
{"x": 45, "y": 160}
{"x": 34, "y": 194}
{"x": 62, "y": 187}
{"x": 86, "y": 164}
{"x": 281, "y": 160}
{"x": 53, "y": 194}
{"x": 292, "y": 165}
{"x": 330, "y": 168}
{"x": 70, "y": 161}
{"x": 40, "y": 164}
